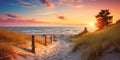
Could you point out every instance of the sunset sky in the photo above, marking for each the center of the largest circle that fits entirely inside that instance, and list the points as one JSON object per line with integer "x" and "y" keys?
{"x": 54, "y": 12}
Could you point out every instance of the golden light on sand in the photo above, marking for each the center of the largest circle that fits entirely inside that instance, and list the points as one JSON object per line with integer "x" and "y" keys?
{"x": 92, "y": 24}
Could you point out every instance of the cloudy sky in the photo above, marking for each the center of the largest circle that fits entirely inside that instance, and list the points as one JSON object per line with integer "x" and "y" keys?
{"x": 54, "y": 12}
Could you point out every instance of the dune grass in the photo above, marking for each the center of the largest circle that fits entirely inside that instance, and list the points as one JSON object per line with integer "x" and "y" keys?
{"x": 6, "y": 52}
{"x": 9, "y": 39}
{"x": 95, "y": 43}
{"x": 7, "y": 36}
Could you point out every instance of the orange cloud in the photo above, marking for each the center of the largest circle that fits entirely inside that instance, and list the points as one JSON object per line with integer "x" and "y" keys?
{"x": 51, "y": 5}
{"x": 62, "y": 17}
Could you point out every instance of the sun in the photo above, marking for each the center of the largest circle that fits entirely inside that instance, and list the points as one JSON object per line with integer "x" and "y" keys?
{"x": 92, "y": 24}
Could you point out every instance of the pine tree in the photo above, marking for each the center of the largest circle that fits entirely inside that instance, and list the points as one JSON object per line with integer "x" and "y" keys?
{"x": 103, "y": 19}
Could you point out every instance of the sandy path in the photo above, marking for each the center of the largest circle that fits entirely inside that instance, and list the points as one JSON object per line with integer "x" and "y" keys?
{"x": 60, "y": 51}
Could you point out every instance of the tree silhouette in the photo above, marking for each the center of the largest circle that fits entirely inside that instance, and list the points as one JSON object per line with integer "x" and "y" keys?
{"x": 103, "y": 19}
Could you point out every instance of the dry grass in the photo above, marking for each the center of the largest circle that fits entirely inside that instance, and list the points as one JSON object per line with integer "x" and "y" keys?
{"x": 96, "y": 43}
{"x": 8, "y": 39}
{"x": 12, "y": 37}
{"x": 40, "y": 40}
{"x": 7, "y": 36}
{"x": 6, "y": 51}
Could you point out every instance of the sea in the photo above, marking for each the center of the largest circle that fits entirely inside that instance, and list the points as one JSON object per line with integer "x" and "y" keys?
{"x": 48, "y": 30}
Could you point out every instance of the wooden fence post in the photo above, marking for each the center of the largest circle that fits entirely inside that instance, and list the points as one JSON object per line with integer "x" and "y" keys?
{"x": 45, "y": 40}
{"x": 54, "y": 37}
{"x": 33, "y": 43}
{"x": 51, "y": 38}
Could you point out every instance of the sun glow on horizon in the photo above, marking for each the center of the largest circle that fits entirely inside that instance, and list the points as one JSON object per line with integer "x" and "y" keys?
{"x": 92, "y": 24}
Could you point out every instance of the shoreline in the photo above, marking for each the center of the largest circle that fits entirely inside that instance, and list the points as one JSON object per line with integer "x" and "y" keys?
{"x": 54, "y": 34}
